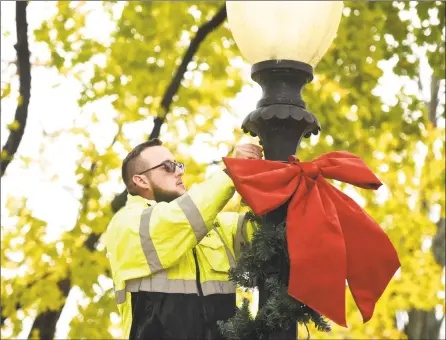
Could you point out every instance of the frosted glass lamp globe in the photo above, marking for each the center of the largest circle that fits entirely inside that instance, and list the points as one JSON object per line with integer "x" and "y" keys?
{"x": 284, "y": 30}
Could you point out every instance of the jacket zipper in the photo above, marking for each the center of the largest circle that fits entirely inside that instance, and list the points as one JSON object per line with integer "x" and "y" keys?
{"x": 197, "y": 272}
{"x": 201, "y": 296}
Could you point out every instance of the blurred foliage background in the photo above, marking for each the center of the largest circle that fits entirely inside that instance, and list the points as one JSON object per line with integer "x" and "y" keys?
{"x": 87, "y": 81}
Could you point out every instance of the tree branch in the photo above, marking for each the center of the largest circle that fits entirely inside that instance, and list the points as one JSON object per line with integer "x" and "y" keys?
{"x": 24, "y": 69}
{"x": 120, "y": 199}
{"x": 45, "y": 323}
{"x": 174, "y": 85}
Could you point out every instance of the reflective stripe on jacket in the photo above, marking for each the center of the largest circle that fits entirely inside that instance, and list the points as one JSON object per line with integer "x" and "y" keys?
{"x": 154, "y": 248}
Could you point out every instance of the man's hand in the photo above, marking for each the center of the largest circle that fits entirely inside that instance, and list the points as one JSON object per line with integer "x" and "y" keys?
{"x": 248, "y": 151}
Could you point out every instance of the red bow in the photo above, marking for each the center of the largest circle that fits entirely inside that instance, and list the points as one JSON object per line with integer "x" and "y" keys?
{"x": 330, "y": 238}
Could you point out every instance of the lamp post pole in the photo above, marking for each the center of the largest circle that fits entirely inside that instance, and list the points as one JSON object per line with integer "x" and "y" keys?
{"x": 283, "y": 40}
{"x": 280, "y": 121}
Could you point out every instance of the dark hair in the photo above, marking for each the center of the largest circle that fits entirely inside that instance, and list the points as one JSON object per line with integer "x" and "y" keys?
{"x": 132, "y": 163}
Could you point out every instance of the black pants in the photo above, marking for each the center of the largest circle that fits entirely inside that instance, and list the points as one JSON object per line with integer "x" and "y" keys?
{"x": 162, "y": 316}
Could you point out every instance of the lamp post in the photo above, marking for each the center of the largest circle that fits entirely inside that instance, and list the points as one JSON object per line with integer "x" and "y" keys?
{"x": 283, "y": 41}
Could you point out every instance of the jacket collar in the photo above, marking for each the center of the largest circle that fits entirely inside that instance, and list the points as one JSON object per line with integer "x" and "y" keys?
{"x": 139, "y": 200}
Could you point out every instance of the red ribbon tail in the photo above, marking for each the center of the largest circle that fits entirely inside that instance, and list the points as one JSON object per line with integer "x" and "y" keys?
{"x": 317, "y": 253}
{"x": 371, "y": 258}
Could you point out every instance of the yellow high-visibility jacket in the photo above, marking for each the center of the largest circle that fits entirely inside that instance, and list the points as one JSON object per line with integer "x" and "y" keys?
{"x": 170, "y": 261}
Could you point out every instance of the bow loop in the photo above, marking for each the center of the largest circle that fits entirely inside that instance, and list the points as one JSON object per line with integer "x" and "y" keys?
{"x": 330, "y": 238}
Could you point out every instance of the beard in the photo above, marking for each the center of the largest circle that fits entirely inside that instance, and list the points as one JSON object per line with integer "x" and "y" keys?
{"x": 162, "y": 195}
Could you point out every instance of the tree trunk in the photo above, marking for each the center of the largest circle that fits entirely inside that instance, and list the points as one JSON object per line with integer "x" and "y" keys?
{"x": 45, "y": 323}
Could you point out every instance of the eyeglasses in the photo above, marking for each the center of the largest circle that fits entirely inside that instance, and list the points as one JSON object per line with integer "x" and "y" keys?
{"x": 169, "y": 166}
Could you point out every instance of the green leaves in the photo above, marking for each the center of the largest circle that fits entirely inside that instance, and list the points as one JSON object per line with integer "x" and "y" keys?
{"x": 64, "y": 37}
{"x": 133, "y": 69}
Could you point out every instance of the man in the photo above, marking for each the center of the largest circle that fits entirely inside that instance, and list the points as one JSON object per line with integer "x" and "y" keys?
{"x": 170, "y": 250}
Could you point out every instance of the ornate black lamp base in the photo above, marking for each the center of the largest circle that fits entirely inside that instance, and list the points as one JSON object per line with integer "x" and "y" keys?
{"x": 281, "y": 119}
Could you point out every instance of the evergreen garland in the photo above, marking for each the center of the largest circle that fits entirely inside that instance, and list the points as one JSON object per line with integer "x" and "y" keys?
{"x": 280, "y": 310}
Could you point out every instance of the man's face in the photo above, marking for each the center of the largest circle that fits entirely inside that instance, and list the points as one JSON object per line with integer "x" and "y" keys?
{"x": 165, "y": 186}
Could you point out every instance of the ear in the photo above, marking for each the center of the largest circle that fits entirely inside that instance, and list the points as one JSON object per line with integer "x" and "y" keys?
{"x": 142, "y": 182}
